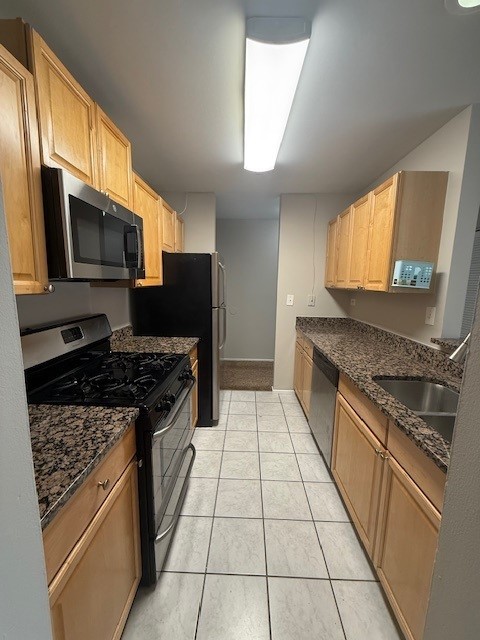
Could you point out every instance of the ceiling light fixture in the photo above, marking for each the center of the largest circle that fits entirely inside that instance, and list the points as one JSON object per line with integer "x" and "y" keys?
{"x": 275, "y": 51}
{"x": 462, "y": 6}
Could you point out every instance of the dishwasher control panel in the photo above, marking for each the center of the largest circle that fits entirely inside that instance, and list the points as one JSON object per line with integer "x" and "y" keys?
{"x": 412, "y": 274}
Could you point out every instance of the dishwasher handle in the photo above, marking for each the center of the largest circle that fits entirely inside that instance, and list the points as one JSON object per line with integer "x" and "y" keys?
{"x": 327, "y": 367}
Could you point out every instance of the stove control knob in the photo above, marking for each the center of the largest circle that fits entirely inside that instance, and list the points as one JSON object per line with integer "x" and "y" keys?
{"x": 166, "y": 404}
{"x": 186, "y": 375}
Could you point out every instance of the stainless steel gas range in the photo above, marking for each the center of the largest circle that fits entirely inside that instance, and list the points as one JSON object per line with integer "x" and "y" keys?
{"x": 71, "y": 363}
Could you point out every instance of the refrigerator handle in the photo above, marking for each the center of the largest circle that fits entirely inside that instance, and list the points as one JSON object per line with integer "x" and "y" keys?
{"x": 224, "y": 328}
{"x": 224, "y": 271}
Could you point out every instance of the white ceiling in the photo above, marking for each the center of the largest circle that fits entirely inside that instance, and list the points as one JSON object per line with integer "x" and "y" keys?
{"x": 380, "y": 76}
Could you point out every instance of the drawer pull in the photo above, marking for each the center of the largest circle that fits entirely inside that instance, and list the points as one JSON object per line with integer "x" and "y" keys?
{"x": 104, "y": 484}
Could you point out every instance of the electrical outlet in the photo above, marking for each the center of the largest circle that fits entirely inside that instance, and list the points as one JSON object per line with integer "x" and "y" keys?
{"x": 311, "y": 301}
{"x": 430, "y": 315}
{"x": 290, "y": 299}
{"x": 353, "y": 302}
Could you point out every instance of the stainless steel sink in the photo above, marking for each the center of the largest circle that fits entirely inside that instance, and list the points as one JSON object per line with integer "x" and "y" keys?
{"x": 442, "y": 423}
{"x": 421, "y": 396}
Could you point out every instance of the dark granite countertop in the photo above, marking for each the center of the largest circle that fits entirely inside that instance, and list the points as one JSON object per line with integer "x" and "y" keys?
{"x": 67, "y": 444}
{"x": 448, "y": 344}
{"x": 124, "y": 340}
{"x": 363, "y": 352}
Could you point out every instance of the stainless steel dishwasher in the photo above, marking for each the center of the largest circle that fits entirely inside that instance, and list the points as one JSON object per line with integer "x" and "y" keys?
{"x": 322, "y": 403}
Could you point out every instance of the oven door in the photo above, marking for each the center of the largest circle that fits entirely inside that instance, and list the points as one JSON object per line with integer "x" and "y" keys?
{"x": 102, "y": 240}
{"x": 170, "y": 440}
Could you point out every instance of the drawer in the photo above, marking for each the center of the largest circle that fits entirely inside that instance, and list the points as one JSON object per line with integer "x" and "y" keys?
{"x": 373, "y": 417}
{"x": 423, "y": 471}
{"x": 193, "y": 356}
{"x": 308, "y": 347}
{"x": 63, "y": 532}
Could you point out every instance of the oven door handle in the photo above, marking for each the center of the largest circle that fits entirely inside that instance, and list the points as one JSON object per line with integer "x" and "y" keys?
{"x": 181, "y": 498}
{"x": 182, "y": 400}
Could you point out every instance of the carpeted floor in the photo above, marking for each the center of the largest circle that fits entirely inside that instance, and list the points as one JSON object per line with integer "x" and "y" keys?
{"x": 253, "y": 375}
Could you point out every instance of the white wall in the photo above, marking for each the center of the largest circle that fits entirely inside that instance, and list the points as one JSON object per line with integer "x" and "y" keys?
{"x": 445, "y": 150}
{"x": 250, "y": 251}
{"x": 454, "y": 610}
{"x": 200, "y": 219}
{"x": 72, "y": 299}
{"x": 24, "y": 607}
{"x": 301, "y": 269}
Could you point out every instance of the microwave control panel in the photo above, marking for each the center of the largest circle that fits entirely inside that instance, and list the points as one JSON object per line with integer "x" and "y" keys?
{"x": 412, "y": 274}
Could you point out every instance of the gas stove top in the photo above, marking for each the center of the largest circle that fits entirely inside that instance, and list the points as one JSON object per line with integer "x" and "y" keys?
{"x": 110, "y": 379}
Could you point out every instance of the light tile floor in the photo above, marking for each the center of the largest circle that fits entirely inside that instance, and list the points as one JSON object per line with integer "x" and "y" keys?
{"x": 264, "y": 549}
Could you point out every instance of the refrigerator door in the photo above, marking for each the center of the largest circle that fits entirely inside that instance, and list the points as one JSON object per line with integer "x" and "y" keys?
{"x": 216, "y": 329}
{"x": 218, "y": 281}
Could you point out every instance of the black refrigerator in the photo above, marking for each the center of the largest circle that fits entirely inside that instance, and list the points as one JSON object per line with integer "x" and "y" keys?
{"x": 191, "y": 303}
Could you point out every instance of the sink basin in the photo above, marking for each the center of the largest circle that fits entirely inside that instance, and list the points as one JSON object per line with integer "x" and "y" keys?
{"x": 421, "y": 396}
{"x": 442, "y": 423}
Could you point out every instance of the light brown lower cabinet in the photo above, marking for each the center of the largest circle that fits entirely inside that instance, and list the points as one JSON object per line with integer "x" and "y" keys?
{"x": 395, "y": 520}
{"x": 302, "y": 375}
{"x": 91, "y": 595}
{"x": 357, "y": 469}
{"x": 407, "y": 543}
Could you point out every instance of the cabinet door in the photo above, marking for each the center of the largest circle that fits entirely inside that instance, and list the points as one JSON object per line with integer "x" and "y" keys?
{"x": 357, "y": 259}
{"x": 179, "y": 235}
{"x": 407, "y": 543}
{"x": 343, "y": 247}
{"x": 146, "y": 204}
{"x": 66, "y": 115}
{"x": 298, "y": 371}
{"x": 92, "y": 594}
{"x": 169, "y": 217}
{"x": 194, "y": 405}
{"x": 380, "y": 235}
{"x": 114, "y": 160}
{"x": 357, "y": 469}
{"x": 331, "y": 253}
{"x": 307, "y": 382}
{"x": 20, "y": 176}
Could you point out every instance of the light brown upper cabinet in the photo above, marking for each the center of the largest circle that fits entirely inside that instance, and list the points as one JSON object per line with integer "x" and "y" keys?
{"x": 169, "y": 218}
{"x": 114, "y": 160}
{"x": 20, "y": 177}
{"x": 331, "y": 253}
{"x": 147, "y": 204}
{"x": 66, "y": 115}
{"x": 405, "y": 216}
{"x": 179, "y": 235}
{"x": 358, "y": 240}
{"x": 343, "y": 248}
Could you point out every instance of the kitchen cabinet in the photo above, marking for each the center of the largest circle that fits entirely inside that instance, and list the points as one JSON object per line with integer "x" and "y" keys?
{"x": 407, "y": 543}
{"x": 303, "y": 370}
{"x": 357, "y": 469}
{"x": 92, "y": 550}
{"x": 179, "y": 235}
{"x": 169, "y": 218}
{"x": 147, "y": 204}
{"x": 331, "y": 256}
{"x": 357, "y": 242}
{"x": 20, "y": 177}
{"x": 389, "y": 492}
{"x": 405, "y": 216}
{"x": 66, "y": 115}
{"x": 115, "y": 176}
{"x": 343, "y": 249}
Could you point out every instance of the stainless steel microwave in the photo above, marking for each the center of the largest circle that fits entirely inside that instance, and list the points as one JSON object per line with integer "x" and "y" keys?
{"x": 89, "y": 237}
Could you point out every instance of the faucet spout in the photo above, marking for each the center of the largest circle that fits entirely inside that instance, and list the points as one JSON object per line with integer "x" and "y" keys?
{"x": 461, "y": 351}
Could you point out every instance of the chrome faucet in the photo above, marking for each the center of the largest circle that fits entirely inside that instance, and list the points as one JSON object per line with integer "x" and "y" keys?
{"x": 461, "y": 351}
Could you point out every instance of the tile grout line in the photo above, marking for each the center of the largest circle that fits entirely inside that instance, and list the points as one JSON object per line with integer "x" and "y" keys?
{"x": 263, "y": 527}
{"x": 316, "y": 532}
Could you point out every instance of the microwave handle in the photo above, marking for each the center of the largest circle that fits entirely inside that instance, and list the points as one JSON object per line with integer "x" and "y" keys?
{"x": 140, "y": 254}
{"x": 133, "y": 257}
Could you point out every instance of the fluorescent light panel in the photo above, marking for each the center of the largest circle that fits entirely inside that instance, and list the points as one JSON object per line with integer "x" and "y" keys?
{"x": 272, "y": 71}
{"x": 468, "y": 4}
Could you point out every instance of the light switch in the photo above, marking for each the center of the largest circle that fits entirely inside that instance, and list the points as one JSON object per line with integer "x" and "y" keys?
{"x": 430, "y": 315}
{"x": 290, "y": 298}
{"x": 311, "y": 301}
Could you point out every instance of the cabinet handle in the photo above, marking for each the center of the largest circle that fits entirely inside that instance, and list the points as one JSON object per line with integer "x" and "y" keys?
{"x": 49, "y": 288}
{"x": 378, "y": 451}
{"x": 104, "y": 484}
{"x": 384, "y": 457}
